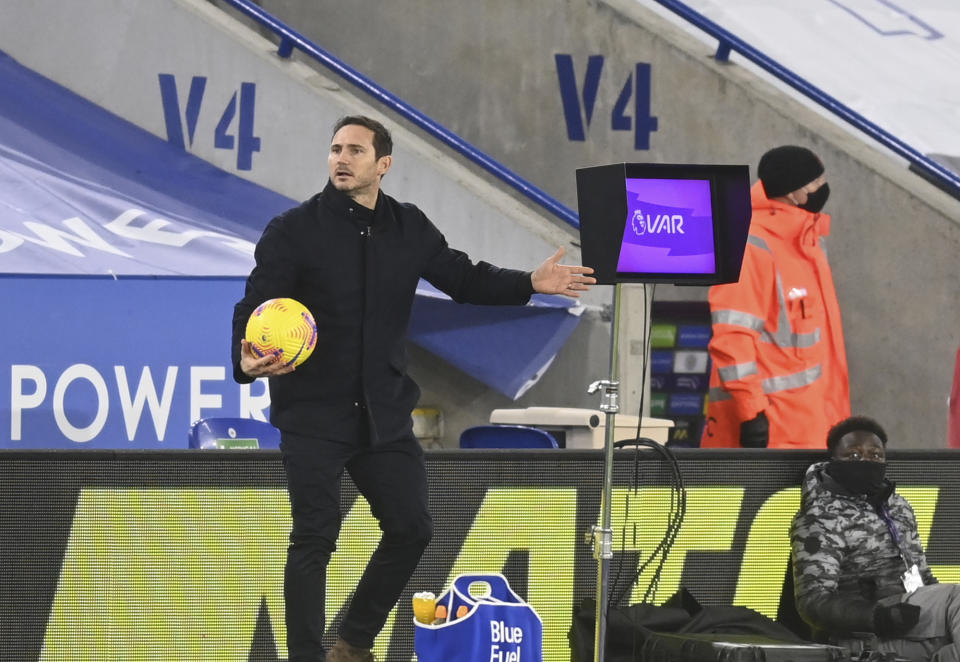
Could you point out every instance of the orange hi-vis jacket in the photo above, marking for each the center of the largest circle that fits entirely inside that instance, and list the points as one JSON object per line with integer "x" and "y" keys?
{"x": 777, "y": 343}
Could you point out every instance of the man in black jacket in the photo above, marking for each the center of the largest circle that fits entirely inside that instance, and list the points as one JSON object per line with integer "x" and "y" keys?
{"x": 353, "y": 256}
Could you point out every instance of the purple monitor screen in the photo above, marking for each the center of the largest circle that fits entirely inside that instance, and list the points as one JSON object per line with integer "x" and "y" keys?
{"x": 669, "y": 227}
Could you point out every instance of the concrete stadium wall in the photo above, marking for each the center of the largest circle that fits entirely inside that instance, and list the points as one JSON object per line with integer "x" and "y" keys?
{"x": 489, "y": 71}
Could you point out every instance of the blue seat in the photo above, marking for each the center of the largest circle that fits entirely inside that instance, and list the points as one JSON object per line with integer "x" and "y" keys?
{"x": 506, "y": 436}
{"x": 226, "y": 432}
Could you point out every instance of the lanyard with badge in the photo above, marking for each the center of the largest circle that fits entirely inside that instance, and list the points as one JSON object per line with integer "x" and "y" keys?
{"x": 911, "y": 578}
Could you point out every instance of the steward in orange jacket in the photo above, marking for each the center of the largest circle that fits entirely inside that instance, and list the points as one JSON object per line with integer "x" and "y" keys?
{"x": 779, "y": 365}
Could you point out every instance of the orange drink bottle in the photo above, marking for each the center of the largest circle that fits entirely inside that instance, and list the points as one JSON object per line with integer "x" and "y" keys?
{"x": 424, "y": 604}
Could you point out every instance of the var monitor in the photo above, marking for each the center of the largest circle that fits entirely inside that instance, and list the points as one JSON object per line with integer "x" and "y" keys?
{"x": 664, "y": 223}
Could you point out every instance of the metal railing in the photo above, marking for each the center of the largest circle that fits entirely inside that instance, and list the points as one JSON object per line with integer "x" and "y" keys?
{"x": 940, "y": 176}
{"x": 290, "y": 39}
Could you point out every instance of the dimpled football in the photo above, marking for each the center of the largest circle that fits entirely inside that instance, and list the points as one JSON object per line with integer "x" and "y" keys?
{"x": 283, "y": 325}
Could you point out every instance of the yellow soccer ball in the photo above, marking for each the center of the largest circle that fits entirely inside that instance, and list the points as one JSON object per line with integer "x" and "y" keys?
{"x": 285, "y": 325}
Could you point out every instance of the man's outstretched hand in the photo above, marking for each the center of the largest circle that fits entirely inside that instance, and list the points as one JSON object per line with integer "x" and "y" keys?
{"x": 551, "y": 277}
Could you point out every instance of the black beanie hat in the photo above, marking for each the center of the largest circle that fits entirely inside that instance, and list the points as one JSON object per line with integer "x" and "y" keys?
{"x": 788, "y": 168}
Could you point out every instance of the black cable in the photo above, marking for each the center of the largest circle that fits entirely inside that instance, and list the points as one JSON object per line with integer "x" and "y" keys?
{"x": 636, "y": 458}
{"x": 678, "y": 496}
{"x": 678, "y": 501}
{"x": 646, "y": 340}
{"x": 675, "y": 517}
{"x": 648, "y": 334}
{"x": 675, "y": 526}
{"x": 674, "y": 520}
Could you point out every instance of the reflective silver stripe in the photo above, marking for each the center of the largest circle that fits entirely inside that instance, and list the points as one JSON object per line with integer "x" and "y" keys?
{"x": 758, "y": 242}
{"x": 717, "y": 394}
{"x": 796, "y": 380}
{"x": 737, "y": 318}
{"x": 739, "y": 371}
{"x": 784, "y": 337}
{"x": 775, "y": 384}
{"x": 792, "y": 340}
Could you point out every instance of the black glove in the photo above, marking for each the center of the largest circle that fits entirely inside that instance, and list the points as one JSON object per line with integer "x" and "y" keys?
{"x": 755, "y": 433}
{"x": 895, "y": 620}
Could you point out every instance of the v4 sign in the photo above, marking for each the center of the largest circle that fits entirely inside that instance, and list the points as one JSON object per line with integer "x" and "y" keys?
{"x": 578, "y": 105}
{"x": 244, "y": 141}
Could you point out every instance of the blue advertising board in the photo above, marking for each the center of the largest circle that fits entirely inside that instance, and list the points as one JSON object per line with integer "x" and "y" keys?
{"x": 126, "y": 363}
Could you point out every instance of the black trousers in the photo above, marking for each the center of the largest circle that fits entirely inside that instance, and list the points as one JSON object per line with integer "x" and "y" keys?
{"x": 392, "y": 478}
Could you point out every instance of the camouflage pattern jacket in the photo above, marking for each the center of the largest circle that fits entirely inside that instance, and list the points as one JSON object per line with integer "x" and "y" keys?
{"x": 845, "y": 558}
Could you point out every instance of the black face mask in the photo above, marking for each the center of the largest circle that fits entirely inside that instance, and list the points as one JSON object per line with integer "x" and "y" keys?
{"x": 859, "y": 476}
{"x": 816, "y": 200}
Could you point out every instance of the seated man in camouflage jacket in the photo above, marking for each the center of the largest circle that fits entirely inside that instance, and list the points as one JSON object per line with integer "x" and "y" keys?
{"x": 860, "y": 573}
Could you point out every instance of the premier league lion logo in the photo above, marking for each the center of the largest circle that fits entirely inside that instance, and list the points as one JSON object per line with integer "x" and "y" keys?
{"x": 639, "y": 223}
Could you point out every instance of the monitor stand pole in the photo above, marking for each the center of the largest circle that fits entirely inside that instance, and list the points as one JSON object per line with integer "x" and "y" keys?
{"x": 601, "y": 537}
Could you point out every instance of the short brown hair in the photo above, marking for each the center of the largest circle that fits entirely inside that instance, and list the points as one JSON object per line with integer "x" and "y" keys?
{"x": 382, "y": 141}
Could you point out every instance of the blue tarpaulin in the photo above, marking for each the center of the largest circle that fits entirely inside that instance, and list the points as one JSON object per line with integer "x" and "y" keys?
{"x": 83, "y": 191}
{"x": 507, "y": 347}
